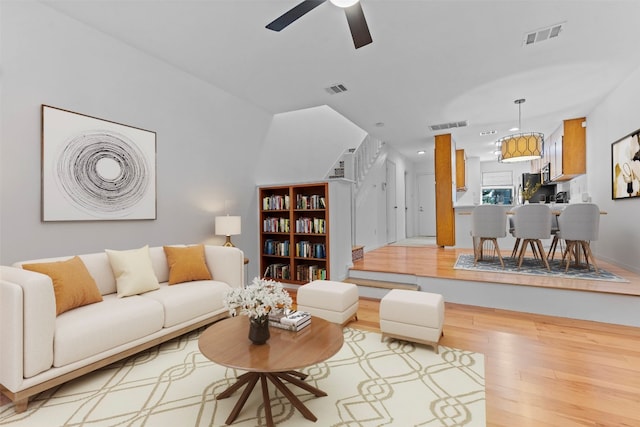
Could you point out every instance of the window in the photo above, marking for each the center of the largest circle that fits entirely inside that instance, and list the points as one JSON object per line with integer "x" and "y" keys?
{"x": 497, "y": 195}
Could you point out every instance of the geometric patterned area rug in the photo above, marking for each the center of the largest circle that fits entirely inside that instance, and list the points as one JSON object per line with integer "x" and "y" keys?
{"x": 534, "y": 267}
{"x": 368, "y": 382}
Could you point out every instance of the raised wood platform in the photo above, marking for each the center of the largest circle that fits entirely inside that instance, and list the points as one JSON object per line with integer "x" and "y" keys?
{"x": 431, "y": 269}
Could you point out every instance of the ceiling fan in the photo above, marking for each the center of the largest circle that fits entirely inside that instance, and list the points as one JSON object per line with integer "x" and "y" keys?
{"x": 352, "y": 9}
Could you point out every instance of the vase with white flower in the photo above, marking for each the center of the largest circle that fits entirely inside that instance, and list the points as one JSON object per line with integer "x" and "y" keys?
{"x": 256, "y": 301}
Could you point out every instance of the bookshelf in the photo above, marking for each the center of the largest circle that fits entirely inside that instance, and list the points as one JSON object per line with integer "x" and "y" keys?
{"x": 294, "y": 232}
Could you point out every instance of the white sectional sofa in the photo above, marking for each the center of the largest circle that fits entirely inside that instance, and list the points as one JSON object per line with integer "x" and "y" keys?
{"x": 40, "y": 349}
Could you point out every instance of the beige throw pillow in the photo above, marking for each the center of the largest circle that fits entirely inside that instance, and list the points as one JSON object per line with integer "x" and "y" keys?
{"x": 73, "y": 285}
{"x": 186, "y": 263}
{"x": 133, "y": 271}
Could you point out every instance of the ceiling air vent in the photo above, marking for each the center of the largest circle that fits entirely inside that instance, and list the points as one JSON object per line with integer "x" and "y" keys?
{"x": 335, "y": 89}
{"x": 543, "y": 34}
{"x": 449, "y": 125}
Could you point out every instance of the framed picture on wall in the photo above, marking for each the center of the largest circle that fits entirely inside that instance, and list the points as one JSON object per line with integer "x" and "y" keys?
{"x": 625, "y": 167}
{"x": 96, "y": 169}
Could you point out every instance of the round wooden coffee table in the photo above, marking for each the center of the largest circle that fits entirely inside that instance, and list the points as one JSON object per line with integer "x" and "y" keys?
{"x": 226, "y": 343}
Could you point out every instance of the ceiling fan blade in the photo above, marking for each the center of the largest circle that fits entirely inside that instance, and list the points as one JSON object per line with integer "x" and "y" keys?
{"x": 293, "y": 14}
{"x": 358, "y": 25}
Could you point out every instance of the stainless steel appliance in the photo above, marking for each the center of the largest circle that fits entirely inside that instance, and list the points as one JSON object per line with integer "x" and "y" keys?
{"x": 545, "y": 172}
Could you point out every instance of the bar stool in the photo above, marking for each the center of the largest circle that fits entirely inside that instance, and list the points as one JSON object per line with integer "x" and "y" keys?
{"x": 532, "y": 223}
{"x": 579, "y": 224}
{"x": 488, "y": 223}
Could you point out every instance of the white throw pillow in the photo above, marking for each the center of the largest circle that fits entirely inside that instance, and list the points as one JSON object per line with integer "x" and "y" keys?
{"x": 133, "y": 271}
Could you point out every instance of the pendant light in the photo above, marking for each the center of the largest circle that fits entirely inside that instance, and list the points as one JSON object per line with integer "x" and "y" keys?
{"x": 521, "y": 147}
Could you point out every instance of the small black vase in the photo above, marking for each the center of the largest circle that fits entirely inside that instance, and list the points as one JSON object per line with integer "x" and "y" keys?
{"x": 259, "y": 330}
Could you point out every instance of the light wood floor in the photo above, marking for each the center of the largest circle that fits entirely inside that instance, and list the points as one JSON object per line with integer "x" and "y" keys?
{"x": 432, "y": 261}
{"x": 539, "y": 370}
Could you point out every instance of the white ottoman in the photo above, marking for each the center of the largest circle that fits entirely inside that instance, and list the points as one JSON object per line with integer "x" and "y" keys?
{"x": 412, "y": 316}
{"x": 336, "y": 302}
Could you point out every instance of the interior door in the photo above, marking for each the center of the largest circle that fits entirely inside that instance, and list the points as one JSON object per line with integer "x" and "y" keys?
{"x": 408, "y": 229}
{"x": 392, "y": 203}
{"x": 427, "y": 205}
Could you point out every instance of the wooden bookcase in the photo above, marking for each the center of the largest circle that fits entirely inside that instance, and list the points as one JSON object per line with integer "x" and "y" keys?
{"x": 294, "y": 232}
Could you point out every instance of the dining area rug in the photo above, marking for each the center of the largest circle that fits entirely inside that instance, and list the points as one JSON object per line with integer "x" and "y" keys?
{"x": 368, "y": 382}
{"x": 532, "y": 266}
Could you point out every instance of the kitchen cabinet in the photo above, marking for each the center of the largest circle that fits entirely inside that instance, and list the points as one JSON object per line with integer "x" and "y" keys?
{"x": 566, "y": 151}
{"x": 461, "y": 171}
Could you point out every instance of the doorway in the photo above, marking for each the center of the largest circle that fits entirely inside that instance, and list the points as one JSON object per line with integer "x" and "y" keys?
{"x": 392, "y": 202}
{"x": 426, "y": 205}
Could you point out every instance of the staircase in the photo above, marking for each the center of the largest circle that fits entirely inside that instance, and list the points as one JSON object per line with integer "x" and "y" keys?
{"x": 382, "y": 284}
{"x": 354, "y": 164}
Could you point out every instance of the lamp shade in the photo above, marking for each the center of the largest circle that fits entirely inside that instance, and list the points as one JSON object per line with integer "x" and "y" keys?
{"x": 228, "y": 225}
{"x": 521, "y": 147}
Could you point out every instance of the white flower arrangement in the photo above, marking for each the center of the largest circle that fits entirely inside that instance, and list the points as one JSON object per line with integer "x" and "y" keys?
{"x": 258, "y": 299}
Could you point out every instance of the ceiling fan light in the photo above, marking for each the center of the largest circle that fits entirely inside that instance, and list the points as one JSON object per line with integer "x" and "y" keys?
{"x": 344, "y": 3}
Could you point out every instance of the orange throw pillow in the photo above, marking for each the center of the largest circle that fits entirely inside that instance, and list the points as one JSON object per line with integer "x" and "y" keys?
{"x": 73, "y": 286}
{"x": 186, "y": 263}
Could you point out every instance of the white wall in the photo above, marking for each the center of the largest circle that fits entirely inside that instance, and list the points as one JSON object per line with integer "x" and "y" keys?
{"x": 371, "y": 207}
{"x": 207, "y": 140}
{"x": 305, "y": 143}
{"x": 616, "y": 117}
{"x": 371, "y": 200}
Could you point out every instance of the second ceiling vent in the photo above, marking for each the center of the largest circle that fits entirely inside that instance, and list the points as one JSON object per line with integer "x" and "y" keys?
{"x": 335, "y": 89}
{"x": 450, "y": 125}
{"x": 543, "y": 34}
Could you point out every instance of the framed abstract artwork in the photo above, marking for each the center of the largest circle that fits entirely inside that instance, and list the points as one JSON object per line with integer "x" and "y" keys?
{"x": 625, "y": 167}
{"x": 96, "y": 169}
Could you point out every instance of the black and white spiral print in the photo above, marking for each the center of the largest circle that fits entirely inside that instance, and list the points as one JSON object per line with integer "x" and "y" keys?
{"x": 102, "y": 173}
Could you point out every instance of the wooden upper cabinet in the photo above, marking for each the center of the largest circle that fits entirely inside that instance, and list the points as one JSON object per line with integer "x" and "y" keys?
{"x": 567, "y": 151}
{"x": 461, "y": 172}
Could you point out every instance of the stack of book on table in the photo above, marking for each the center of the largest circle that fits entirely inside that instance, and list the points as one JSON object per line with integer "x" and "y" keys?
{"x": 291, "y": 320}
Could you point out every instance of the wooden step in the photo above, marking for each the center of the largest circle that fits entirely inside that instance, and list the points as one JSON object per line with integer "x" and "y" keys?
{"x": 380, "y": 284}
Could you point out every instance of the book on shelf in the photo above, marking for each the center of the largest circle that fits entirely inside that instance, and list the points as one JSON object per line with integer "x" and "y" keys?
{"x": 306, "y": 249}
{"x": 275, "y": 247}
{"x": 308, "y": 273}
{"x": 275, "y": 225}
{"x": 275, "y": 202}
{"x": 310, "y": 225}
{"x": 277, "y": 271}
{"x": 315, "y": 201}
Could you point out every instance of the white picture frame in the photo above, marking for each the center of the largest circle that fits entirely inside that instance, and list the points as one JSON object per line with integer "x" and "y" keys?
{"x": 95, "y": 169}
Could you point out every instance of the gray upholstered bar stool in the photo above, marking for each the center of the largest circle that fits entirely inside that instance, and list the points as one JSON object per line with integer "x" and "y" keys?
{"x": 579, "y": 224}
{"x": 488, "y": 223}
{"x": 532, "y": 223}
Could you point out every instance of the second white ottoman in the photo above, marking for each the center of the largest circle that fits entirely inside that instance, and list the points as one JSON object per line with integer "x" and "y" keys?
{"x": 336, "y": 302}
{"x": 412, "y": 316}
